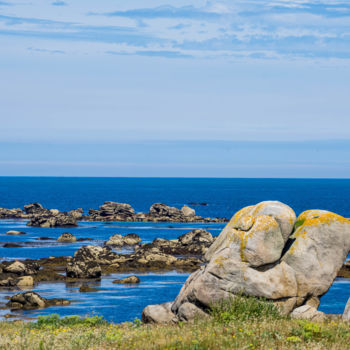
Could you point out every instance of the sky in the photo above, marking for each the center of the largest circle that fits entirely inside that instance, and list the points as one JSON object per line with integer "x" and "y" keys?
{"x": 251, "y": 88}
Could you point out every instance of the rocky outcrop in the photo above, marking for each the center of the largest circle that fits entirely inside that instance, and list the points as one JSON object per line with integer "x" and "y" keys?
{"x": 67, "y": 237}
{"x": 195, "y": 242}
{"x": 127, "y": 280}
{"x": 11, "y": 213}
{"x": 60, "y": 220}
{"x": 158, "y": 212}
{"x": 83, "y": 269}
{"x": 20, "y": 268}
{"x": 130, "y": 239}
{"x": 109, "y": 211}
{"x": 112, "y": 211}
{"x": 17, "y": 273}
{"x": 265, "y": 252}
{"x": 32, "y": 300}
{"x": 76, "y": 213}
{"x": 34, "y": 208}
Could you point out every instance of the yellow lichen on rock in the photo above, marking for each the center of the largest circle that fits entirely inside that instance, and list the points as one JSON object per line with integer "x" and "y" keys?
{"x": 318, "y": 217}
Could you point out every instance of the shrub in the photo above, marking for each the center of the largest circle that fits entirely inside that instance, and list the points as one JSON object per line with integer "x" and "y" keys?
{"x": 244, "y": 308}
{"x": 54, "y": 320}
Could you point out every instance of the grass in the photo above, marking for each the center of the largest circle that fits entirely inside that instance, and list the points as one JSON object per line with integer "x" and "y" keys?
{"x": 241, "y": 323}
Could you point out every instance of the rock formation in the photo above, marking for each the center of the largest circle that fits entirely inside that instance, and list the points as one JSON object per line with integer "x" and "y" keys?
{"x": 130, "y": 239}
{"x": 67, "y": 237}
{"x": 158, "y": 212}
{"x": 265, "y": 251}
{"x": 32, "y": 300}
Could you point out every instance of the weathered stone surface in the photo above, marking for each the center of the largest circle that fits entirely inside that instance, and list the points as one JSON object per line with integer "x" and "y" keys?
{"x": 20, "y": 268}
{"x": 25, "y": 281}
{"x": 67, "y": 237}
{"x": 159, "y": 314}
{"x": 60, "y": 220}
{"x": 76, "y": 213}
{"x": 32, "y": 300}
{"x": 83, "y": 269}
{"x": 188, "y": 311}
{"x": 33, "y": 208}
{"x": 128, "y": 280}
{"x": 130, "y": 239}
{"x": 187, "y": 211}
{"x": 11, "y": 213}
{"x": 257, "y": 233}
{"x": 307, "y": 312}
{"x": 195, "y": 242}
{"x": 256, "y": 255}
{"x": 346, "y": 314}
{"x": 101, "y": 255}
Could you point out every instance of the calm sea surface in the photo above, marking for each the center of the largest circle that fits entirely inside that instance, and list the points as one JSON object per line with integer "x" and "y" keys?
{"x": 119, "y": 303}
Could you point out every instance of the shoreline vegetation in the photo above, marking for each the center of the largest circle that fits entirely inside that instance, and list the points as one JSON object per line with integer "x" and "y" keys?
{"x": 239, "y": 323}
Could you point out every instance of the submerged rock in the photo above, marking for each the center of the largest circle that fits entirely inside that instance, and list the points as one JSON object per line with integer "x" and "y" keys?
{"x": 12, "y": 245}
{"x": 15, "y": 233}
{"x": 259, "y": 254}
{"x": 128, "y": 280}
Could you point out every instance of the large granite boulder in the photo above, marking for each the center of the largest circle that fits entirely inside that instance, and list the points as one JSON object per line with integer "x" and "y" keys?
{"x": 259, "y": 254}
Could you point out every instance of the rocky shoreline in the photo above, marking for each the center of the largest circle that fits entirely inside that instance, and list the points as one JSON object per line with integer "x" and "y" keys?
{"x": 39, "y": 216}
{"x": 92, "y": 262}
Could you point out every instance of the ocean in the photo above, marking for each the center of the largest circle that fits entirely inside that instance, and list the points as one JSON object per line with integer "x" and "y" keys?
{"x": 118, "y": 303}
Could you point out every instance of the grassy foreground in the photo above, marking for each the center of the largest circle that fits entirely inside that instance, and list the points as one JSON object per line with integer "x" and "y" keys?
{"x": 243, "y": 323}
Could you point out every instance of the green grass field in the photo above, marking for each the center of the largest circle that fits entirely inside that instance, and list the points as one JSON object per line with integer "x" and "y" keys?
{"x": 244, "y": 323}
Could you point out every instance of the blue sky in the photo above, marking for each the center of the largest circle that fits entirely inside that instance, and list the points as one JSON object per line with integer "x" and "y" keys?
{"x": 188, "y": 88}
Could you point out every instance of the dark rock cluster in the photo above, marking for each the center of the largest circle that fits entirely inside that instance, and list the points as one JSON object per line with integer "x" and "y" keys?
{"x": 158, "y": 212}
{"x": 32, "y": 300}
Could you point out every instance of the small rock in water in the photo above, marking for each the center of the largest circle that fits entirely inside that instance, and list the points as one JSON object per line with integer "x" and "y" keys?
{"x": 12, "y": 245}
{"x": 128, "y": 280}
{"x": 43, "y": 238}
{"x": 67, "y": 237}
{"x": 14, "y": 233}
{"x": 86, "y": 289}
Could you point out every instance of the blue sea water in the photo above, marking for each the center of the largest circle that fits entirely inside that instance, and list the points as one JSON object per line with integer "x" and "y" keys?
{"x": 119, "y": 303}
